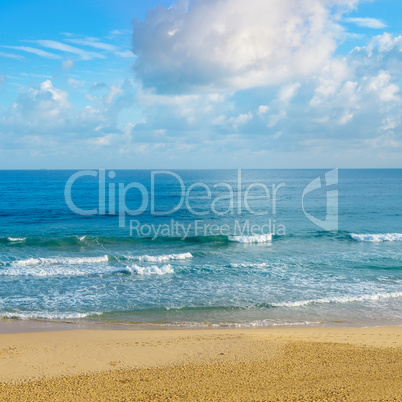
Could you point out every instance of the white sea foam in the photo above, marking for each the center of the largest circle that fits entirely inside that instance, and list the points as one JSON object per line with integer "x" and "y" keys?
{"x": 42, "y": 315}
{"x": 377, "y": 238}
{"x": 52, "y": 270}
{"x": 267, "y": 323}
{"x": 14, "y": 239}
{"x": 161, "y": 258}
{"x": 93, "y": 260}
{"x": 262, "y": 238}
{"x": 250, "y": 265}
{"x": 344, "y": 299}
{"x": 251, "y": 324}
{"x": 152, "y": 270}
{"x": 27, "y": 262}
{"x": 60, "y": 261}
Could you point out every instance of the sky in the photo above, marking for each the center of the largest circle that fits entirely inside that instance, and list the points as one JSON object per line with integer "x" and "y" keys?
{"x": 157, "y": 84}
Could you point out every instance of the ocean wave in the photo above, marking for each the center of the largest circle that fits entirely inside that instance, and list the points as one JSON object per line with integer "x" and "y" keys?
{"x": 42, "y": 315}
{"x": 344, "y": 299}
{"x": 152, "y": 270}
{"x": 377, "y": 238}
{"x": 95, "y": 241}
{"x": 74, "y": 272}
{"x": 59, "y": 261}
{"x": 60, "y": 271}
{"x": 161, "y": 258}
{"x": 16, "y": 239}
{"x": 52, "y": 271}
{"x": 262, "y": 238}
{"x": 249, "y": 265}
{"x": 95, "y": 260}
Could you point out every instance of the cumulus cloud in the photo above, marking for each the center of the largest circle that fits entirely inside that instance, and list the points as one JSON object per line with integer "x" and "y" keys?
{"x": 45, "y": 112}
{"x": 38, "y": 109}
{"x": 352, "y": 104}
{"x": 215, "y": 44}
{"x": 234, "y": 121}
{"x": 262, "y": 109}
{"x": 383, "y": 87}
{"x": 224, "y": 83}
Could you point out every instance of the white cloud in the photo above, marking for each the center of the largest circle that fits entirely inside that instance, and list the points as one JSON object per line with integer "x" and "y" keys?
{"x": 288, "y": 92}
{"x": 119, "y": 32}
{"x": 345, "y": 118}
{"x": 113, "y": 92}
{"x": 384, "y": 43}
{"x": 240, "y": 120}
{"x": 11, "y": 56}
{"x": 387, "y": 140}
{"x": 93, "y": 42}
{"x": 38, "y": 52}
{"x": 367, "y": 22}
{"x": 83, "y": 54}
{"x": 381, "y": 84}
{"x": 125, "y": 54}
{"x": 234, "y": 44}
{"x": 274, "y": 119}
{"x": 101, "y": 141}
{"x": 262, "y": 109}
{"x": 342, "y": 111}
{"x": 75, "y": 84}
{"x": 38, "y": 109}
{"x": 96, "y": 43}
{"x": 67, "y": 64}
{"x": 45, "y": 112}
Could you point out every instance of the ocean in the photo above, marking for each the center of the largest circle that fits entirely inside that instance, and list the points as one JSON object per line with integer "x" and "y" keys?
{"x": 202, "y": 248}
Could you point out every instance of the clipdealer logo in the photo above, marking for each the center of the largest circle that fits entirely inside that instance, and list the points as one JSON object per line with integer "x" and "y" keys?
{"x": 222, "y": 199}
{"x": 235, "y": 199}
{"x": 331, "y": 221}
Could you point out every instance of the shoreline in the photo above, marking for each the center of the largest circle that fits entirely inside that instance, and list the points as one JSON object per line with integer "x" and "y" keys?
{"x": 11, "y": 325}
{"x": 92, "y": 364}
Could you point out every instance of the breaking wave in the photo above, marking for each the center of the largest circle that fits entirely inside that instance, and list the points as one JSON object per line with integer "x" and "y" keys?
{"x": 152, "y": 270}
{"x": 377, "y": 238}
{"x": 59, "y": 261}
{"x": 345, "y": 299}
{"x": 42, "y": 315}
{"x": 15, "y": 239}
{"x": 263, "y": 238}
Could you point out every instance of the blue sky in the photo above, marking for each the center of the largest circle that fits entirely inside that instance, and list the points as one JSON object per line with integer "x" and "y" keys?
{"x": 200, "y": 84}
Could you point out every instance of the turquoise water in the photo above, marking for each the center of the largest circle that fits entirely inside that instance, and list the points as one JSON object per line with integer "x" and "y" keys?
{"x": 58, "y": 265}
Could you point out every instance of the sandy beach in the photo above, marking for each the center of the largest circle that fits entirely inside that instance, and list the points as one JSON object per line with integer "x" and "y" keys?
{"x": 218, "y": 364}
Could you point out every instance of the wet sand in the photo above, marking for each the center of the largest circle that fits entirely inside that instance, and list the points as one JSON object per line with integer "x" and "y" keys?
{"x": 226, "y": 364}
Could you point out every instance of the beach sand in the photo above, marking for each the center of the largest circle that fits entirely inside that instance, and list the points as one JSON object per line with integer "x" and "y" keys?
{"x": 305, "y": 364}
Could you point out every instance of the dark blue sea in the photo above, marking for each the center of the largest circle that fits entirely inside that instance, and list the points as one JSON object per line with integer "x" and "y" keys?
{"x": 202, "y": 247}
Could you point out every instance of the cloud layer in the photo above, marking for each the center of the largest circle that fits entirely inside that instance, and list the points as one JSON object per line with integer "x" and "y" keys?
{"x": 233, "y": 44}
{"x": 220, "y": 83}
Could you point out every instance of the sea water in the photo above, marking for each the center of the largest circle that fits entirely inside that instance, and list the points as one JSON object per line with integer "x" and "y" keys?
{"x": 202, "y": 247}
